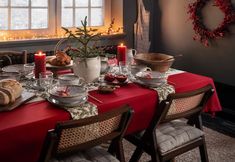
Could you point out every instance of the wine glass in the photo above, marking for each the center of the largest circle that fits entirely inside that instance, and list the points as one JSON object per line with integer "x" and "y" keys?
{"x": 123, "y": 68}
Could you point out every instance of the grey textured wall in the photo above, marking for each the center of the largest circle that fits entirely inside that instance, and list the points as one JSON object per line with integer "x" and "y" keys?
{"x": 129, "y": 14}
{"x": 175, "y": 37}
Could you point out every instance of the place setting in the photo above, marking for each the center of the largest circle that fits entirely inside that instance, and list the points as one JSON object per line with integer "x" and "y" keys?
{"x": 69, "y": 90}
{"x": 75, "y": 74}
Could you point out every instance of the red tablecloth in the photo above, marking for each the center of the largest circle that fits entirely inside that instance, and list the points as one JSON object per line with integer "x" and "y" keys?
{"x": 22, "y": 131}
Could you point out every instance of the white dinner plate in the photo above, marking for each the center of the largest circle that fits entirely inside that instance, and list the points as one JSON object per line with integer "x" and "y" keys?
{"x": 49, "y": 66}
{"x": 63, "y": 105}
{"x": 19, "y": 68}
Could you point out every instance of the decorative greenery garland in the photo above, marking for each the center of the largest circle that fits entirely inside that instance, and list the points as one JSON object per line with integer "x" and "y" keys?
{"x": 203, "y": 34}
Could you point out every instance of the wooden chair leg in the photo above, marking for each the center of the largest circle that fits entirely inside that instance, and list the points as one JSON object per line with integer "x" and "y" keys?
{"x": 172, "y": 160}
{"x": 155, "y": 157}
{"x": 203, "y": 152}
{"x": 112, "y": 148}
{"x": 116, "y": 149}
{"x": 136, "y": 155}
{"x": 120, "y": 152}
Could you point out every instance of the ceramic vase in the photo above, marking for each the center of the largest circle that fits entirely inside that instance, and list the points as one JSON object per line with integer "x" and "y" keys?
{"x": 87, "y": 68}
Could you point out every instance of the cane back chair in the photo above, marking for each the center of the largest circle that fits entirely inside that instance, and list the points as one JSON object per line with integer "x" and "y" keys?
{"x": 14, "y": 57}
{"x": 79, "y": 139}
{"x": 175, "y": 128}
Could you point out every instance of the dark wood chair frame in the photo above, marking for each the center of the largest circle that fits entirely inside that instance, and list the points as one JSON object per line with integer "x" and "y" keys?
{"x": 147, "y": 142}
{"x": 51, "y": 142}
{"x": 8, "y": 55}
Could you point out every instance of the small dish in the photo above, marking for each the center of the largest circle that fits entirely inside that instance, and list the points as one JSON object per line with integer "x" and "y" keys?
{"x": 68, "y": 94}
{"x": 106, "y": 89}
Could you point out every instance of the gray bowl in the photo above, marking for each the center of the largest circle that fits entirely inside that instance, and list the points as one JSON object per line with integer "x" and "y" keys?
{"x": 71, "y": 79}
{"x": 68, "y": 94}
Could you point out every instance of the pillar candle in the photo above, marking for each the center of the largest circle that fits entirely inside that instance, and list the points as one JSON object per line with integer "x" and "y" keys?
{"x": 121, "y": 53}
{"x": 40, "y": 63}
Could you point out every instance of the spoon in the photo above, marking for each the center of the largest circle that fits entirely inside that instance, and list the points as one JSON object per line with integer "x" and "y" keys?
{"x": 170, "y": 58}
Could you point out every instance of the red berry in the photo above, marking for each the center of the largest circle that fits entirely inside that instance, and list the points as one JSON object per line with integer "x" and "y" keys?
{"x": 121, "y": 78}
{"x": 109, "y": 77}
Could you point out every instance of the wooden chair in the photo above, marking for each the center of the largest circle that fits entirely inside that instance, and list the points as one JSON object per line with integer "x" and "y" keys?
{"x": 14, "y": 56}
{"x": 175, "y": 128}
{"x": 79, "y": 139}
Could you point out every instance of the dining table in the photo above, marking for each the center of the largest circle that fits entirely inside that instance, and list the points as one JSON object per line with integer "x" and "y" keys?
{"x": 23, "y": 130}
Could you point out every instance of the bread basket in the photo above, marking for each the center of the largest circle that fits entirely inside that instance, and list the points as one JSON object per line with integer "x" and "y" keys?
{"x": 156, "y": 61}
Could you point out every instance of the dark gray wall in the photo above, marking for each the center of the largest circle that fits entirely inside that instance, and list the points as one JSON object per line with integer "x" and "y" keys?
{"x": 175, "y": 37}
{"x": 129, "y": 13}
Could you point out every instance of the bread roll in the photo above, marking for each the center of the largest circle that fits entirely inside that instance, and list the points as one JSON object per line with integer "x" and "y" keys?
{"x": 9, "y": 93}
{"x": 12, "y": 84}
{"x": 4, "y": 99}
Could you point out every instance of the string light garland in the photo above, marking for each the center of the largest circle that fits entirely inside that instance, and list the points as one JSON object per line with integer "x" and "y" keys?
{"x": 202, "y": 33}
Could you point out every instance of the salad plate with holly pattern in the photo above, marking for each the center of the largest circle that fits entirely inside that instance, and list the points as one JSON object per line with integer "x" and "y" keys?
{"x": 151, "y": 78}
{"x": 68, "y": 95}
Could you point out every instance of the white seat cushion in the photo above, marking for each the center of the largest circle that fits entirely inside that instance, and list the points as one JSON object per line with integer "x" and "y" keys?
{"x": 175, "y": 133}
{"x": 95, "y": 154}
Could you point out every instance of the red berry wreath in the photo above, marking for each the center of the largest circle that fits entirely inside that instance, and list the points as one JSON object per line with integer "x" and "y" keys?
{"x": 203, "y": 34}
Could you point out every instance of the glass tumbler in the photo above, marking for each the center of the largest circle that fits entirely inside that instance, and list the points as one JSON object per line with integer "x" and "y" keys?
{"x": 45, "y": 80}
{"x": 28, "y": 69}
{"x": 123, "y": 68}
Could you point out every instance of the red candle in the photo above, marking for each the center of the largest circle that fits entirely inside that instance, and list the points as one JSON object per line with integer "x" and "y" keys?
{"x": 121, "y": 53}
{"x": 40, "y": 63}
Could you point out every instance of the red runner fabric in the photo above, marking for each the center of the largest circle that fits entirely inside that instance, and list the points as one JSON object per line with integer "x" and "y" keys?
{"x": 22, "y": 131}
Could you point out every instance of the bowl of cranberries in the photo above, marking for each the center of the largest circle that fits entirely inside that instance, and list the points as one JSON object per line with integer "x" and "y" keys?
{"x": 121, "y": 78}
{"x": 115, "y": 79}
{"x": 109, "y": 77}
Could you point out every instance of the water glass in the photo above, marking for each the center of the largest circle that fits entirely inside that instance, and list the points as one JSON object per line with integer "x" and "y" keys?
{"x": 123, "y": 68}
{"x": 28, "y": 68}
{"x": 45, "y": 80}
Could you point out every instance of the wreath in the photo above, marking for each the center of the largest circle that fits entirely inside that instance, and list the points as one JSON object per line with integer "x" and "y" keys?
{"x": 202, "y": 33}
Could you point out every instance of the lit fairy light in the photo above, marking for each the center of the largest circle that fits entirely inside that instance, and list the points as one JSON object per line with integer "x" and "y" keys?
{"x": 5, "y": 36}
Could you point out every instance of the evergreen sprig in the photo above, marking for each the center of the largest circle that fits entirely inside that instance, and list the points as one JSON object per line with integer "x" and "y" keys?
{"x": 86, "y": 39}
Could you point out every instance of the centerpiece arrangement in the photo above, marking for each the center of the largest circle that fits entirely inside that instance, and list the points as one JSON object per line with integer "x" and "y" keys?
{"x": 86, "y": 54}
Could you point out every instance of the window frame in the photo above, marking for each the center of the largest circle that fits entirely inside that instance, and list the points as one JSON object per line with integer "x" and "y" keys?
{"x": 51, "y": 24}
{"x": 106, "y": 16}
{"x": 112, "y": 8}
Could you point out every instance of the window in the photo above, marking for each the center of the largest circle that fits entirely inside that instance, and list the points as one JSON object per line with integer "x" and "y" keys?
{"x": 23, "y": 14}
{"x": 73, "y": 11}
{"x": 36, "y": 19}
